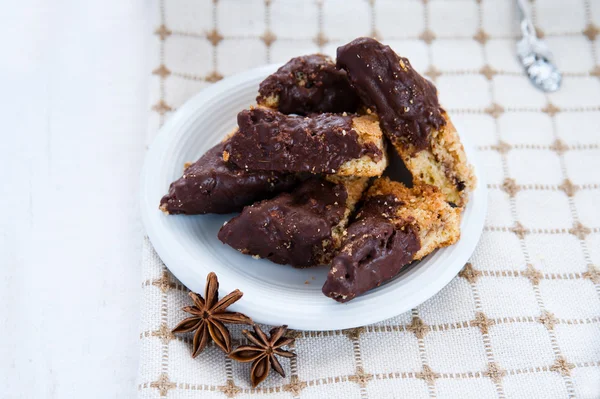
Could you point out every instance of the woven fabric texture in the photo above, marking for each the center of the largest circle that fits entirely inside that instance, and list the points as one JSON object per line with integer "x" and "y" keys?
{"x": 522, "y": 319}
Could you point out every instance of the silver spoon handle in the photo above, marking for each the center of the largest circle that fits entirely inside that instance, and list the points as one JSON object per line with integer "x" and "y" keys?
{"x": 527, "y": 27}
{"x": 535, "y": 56}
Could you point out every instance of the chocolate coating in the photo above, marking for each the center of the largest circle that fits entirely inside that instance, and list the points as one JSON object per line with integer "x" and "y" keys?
{"x": 374, "y": 251}
{"x": 292, "y": 228}
{"x": 407, "y": 103}
{"x": 309, "y": 84}
{"x": 270, "y": 140}
{"x": 211, "y": 185}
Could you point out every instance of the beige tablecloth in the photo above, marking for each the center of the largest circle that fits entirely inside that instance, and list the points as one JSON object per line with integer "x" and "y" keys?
{"x": 522, "y": 319}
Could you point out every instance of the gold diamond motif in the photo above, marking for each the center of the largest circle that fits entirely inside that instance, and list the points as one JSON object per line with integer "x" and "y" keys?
{"x": 214, "y": 37}
{"x": 481, "y": 37}
{"x": 433, "y": 72}
{"x": 164, "y": 333}
{"x": 540, "y": 33}
{"x": 295, "y": 334}
{"x": 163, "y": 32}
{"x": 532, "y": 274}
{"x": 295, "y": 386}
{"x": 502, "y": 147}
{"x": 268, "y": 38}
{"x": 579, "y": 230}
{"x": 213, "y": 77}
{"x": 547, "y": 319}
{"x": 519, "y": 230}
{"x": 230, "y": 389}
{"x": 161, "y": 107}
{"x": 161, "y": 71}
{"x": 428, "y": 375}
{"x": 494, "y": 110}
{"x": 469, "y": 273}
{"x": 418, "y": 327}
{"x": 321, "y": 40}
{"x": 482, "y": 322}
{"x": 559, "y": 146}
{"x": 568, "y": 187}
{"x": 488, "y": 72}
{"x": 164, "y": 282}
{"x": 551, "y": 109}
{"x": 163, "y": 384}
{"x": 562, "y": 366}
{"x": 591, "y": 31}
{"x": 361, "y": 378}
{"x": 427, "y": 36}
{"x": 592, "y": 274}
{"x": 510, "y": 186}
{"x": 354, "y": 333}
{"x": 495, "y": 373}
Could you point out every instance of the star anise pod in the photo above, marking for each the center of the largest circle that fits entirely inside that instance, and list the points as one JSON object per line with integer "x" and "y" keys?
{"x": 208, "y": 316}
{"x": 263, "y": 352}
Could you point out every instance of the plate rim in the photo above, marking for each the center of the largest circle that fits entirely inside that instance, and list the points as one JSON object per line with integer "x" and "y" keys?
{"x": 149, "y": 212}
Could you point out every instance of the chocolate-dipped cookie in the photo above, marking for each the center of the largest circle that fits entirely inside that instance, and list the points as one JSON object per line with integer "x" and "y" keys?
{"x": 302, "y": 228}
{"x": 308, "y": 84}
{"x": 340, "y": 144}
{"x": 395, "y": 226}
{"x": 411, "y": 116}
{"x": 212, "y": 185}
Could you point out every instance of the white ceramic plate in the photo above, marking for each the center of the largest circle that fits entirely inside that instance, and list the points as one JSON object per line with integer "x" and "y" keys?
{"x": 273, "y": 294}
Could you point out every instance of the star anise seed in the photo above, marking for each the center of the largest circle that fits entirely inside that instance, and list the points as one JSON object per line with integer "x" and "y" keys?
{"x": 209, "y": 315}
{"x": 263, "y": 352}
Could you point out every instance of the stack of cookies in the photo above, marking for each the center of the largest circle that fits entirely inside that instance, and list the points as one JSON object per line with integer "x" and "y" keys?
{"x": 304, "y": 167}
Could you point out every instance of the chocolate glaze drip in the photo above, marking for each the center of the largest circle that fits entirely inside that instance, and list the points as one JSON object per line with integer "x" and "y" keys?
{"x": 407, "y": 103}
{"x": 270, "y": 140}
{"x": 310, "y": 84}
{"x": 211, "y": 185}
{"x": 292, "y": 228}
{"x": 375, "y": 250}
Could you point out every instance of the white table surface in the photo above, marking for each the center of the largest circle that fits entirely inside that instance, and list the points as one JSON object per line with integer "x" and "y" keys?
{"x": 74, "y": 110}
